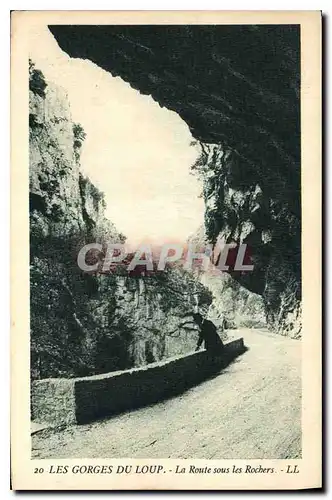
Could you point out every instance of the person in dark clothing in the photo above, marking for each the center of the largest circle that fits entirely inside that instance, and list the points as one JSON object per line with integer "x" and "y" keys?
{"x": 208, "y": 333}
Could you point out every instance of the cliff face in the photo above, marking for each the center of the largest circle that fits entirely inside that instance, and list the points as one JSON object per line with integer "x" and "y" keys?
{"x": 238, "y": 211}
{"x": 88, "y": 323}
{"x": 237, "y": 87}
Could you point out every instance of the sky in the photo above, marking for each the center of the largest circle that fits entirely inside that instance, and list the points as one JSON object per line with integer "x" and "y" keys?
{"x": 136, "y": 152}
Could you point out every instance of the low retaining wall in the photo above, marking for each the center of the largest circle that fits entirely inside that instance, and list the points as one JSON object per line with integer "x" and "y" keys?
{"x": 81, "y": 400}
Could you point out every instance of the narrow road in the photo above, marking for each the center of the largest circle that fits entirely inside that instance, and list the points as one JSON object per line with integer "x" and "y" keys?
{"x": 250, "y": 410}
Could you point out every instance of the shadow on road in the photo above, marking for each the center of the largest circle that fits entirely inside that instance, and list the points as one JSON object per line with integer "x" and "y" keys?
{"x": 211, "y": 368}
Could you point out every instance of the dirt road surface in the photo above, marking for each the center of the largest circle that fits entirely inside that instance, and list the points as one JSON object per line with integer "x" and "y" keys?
{"x": 252, "y": 409}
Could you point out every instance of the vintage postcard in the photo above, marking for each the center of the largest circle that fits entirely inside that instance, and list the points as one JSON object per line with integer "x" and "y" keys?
{"x": 166, "y": 250}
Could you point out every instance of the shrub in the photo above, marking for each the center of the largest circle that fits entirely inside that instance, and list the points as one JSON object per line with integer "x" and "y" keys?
{"x": 37, "y": 83}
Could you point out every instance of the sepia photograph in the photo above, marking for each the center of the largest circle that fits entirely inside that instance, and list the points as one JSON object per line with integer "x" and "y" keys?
{"x": 165, "y": 246}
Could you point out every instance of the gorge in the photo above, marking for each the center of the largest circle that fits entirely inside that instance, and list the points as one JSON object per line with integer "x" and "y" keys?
{"x": 241, "y": 104}
{"x": 238, "y": 89}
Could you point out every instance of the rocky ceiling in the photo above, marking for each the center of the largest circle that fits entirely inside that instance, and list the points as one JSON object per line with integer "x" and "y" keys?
{"x": 234, "y": 85}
